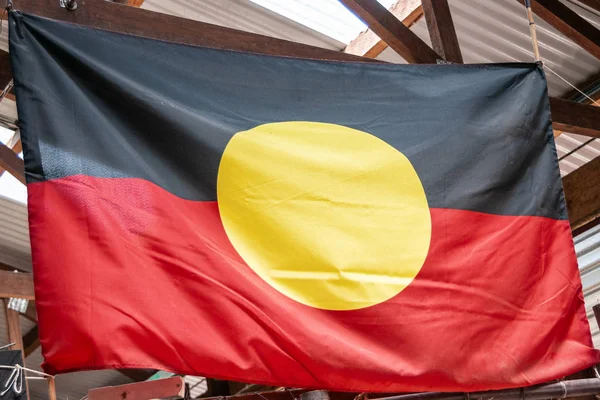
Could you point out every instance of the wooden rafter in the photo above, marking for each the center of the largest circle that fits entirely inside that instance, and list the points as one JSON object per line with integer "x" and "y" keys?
{"x": 137, "y": 21}
{"x": 16, "y": 284}
{"x": 5, "y": 71}
{"x": 13, "y": 325}
{"x": 569, "y": 23}
{"x": 582, "y": 193}
{"x": 574, "y": 117}
{"x": 10, "y": 161}
{"x": 590, "y": 87}
{"x": 14, "y": 143}
{"x": 441, "y": 30}
{"x": 368, "y": 44}
{"x": 389, "y": 28}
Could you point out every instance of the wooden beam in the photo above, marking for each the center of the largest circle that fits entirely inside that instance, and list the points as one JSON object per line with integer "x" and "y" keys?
{"x": 5, "y": 70}
{"x": 573, "y": 117}
{"x": 594, "y": 4}
{"x": 368, "y": 44}
{"x": 567, "y": 22}
{"x": 16, "y": 284}
{"x": 13, "y": 327}
{"x": 31, "y": 341}
{"x": 400, "y": 38}
{"x": 582, "y": 193}
{"x": 10, "y": 161}
{"x": 441, "y": 30}
{"x": 120, "y": 18}
{"x": 14, "y": 143}
{"x": 158, "y": 389}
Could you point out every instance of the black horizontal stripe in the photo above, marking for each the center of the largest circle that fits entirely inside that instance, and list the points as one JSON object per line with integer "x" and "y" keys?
{"x": 109, "y": 105}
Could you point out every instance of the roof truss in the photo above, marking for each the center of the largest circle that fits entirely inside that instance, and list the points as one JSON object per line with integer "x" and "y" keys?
{"x": 441, "y": 30}
{"x": 392, "y": 30}
{"x": 368, "y": 44}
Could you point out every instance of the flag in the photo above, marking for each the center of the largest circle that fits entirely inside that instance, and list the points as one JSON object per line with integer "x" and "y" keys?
{"x": 292, "y": 222}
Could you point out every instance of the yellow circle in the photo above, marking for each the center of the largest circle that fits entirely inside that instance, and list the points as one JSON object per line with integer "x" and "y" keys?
{"x": 332, "y": 217}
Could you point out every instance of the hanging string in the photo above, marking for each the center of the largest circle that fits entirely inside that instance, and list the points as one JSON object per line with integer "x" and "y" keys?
{"x": 15, "y": 379}
{"x": 14, "y": 382}
{"x": 573, "y": 86}
{"x": 537, "y": 52}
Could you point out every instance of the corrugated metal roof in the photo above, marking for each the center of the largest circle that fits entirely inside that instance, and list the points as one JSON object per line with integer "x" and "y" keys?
{"x": 575, "y": 150}
{"x": 587, "y": 246}
{"x": 329, "y": 17}
{"x": 243, "y": 15}
{"x": 15, "y": 249}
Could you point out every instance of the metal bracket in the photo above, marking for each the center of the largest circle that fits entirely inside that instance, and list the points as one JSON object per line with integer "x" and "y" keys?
{"x": 70, "y": 5}
{"x": 17, "y": 304}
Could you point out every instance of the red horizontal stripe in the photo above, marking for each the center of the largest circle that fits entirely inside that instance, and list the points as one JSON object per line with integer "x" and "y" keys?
{"x": 129, "y": 275}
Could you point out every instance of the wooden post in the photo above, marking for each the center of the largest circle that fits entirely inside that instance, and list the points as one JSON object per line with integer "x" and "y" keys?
{"x": 400, "y": 38}
{"x": 596, "y": 309}
{"x": 13, "y": 326}
{"x": 51, "y": 388}
{"x": 441, "y": 30}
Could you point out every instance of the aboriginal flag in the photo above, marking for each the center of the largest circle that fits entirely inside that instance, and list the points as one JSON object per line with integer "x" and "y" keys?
{"x": 301, "y": 223}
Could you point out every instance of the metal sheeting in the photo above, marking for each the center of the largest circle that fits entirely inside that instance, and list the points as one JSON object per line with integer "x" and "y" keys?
{"x": 587, "y": 246}
{"x": 243, "y": 15}
{"x": 575, "y": 150}
{"x": 15, "y": 249}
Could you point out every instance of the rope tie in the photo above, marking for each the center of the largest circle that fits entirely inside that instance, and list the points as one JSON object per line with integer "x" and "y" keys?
{"x": 570, "y": 84}
{"x": 15, "y": 379}
{"x": 14, "y": 382}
